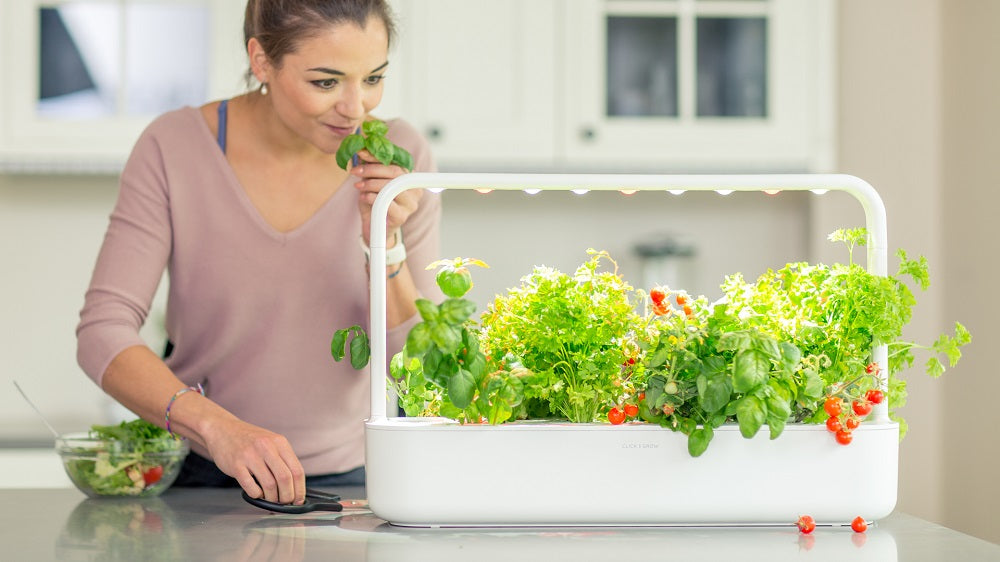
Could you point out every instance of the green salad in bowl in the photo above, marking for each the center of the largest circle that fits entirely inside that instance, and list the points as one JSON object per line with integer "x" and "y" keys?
{"x": 134, "y": 458}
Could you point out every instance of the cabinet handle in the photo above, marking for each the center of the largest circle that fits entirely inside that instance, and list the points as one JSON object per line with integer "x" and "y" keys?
{"x": 434, "y": 133}
{"x": 588, "y": 133}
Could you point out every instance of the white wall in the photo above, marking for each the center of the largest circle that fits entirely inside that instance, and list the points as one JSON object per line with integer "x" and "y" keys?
{"x": 513, "y": 232}
{"x": 968, "y": 200}
{"x": 889, "y": 134}
{"x": 50, "y": 231}
{"x": 918, "y": 118}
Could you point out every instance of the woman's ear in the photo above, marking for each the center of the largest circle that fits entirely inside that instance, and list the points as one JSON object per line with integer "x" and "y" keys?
{"x": 260, "y": 64}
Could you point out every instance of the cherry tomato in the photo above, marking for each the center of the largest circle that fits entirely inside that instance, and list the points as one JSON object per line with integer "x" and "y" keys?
{"x": 660, "y": 309}
{"x": 658, "y": 295}
{"x": 832, "y": 406}
{"x": 872, "y": 368}
{"x": 681, "y": 300}
{"x": 631, "y": 410}
{"x": 875, "y": 396}
{"x": 630, "y": 361}
{"x": 616, "y": 416}
{"x": 688, "y": 311}
{"x": 852, "y": 423}
{"x": 844, "y": 437}
{"x": 833, "y": 424}
{"x": 153, "y": 475}
{"x": 861, "y": 407}
{"x": 642, "y": 396}
{"x": 668, "y": 410}
{"x": 806, "y": 524}
{"x": 859, "y": 525}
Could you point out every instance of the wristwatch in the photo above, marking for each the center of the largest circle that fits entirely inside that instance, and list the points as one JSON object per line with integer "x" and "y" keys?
{"x": 393, "y": 255}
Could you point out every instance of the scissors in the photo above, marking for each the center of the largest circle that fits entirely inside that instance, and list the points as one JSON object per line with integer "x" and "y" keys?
{"x": 315, "y": 501}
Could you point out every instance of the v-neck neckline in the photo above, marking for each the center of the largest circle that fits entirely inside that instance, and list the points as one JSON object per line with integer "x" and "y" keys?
{"x": 241, "y": 193}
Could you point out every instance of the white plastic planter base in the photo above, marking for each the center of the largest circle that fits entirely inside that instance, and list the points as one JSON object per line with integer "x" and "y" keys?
{"x": 433, "y": 472}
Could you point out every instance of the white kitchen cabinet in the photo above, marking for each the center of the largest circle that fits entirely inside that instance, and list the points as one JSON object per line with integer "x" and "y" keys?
{"x": 82, "y": 78}
{"x": 694, "y": 85}
{"x": 581, "y": 85}
{"x": 621, "y": 85}
{"x": 479, "y": 79}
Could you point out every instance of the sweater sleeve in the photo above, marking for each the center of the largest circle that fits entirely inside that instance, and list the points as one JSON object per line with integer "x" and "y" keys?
{"x": 131, "y": 260}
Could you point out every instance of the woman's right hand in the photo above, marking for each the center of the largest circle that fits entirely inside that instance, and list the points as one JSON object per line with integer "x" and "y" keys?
{"x": 262, "y": 461}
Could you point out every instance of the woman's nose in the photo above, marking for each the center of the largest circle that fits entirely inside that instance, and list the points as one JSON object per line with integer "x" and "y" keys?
{"x": 351, "y": 103}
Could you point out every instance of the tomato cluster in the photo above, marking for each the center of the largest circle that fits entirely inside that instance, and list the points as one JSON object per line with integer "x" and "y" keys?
{"x": 661, "y": 306}
{"x": 843, "y": 422}
{"x": 618, "y": 414}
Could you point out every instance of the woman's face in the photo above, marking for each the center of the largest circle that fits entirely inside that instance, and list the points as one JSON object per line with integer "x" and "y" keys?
{"x": 325, "y": 88}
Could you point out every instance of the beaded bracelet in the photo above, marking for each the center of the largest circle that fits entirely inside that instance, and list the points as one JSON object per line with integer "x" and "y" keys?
{"x": 176, "y": 395}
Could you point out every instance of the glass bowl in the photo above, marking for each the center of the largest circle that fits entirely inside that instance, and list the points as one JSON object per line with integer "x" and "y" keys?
{"x": 108, "y": 467}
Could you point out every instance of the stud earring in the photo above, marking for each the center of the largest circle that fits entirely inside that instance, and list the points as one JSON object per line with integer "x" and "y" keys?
{"x": 263, "y": 89}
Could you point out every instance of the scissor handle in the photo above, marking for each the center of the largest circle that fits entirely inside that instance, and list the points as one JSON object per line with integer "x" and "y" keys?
{"x": 329, "y": 503}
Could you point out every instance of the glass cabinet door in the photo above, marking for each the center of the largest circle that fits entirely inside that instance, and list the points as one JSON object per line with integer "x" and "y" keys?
{"x": 728, "y": 55}
{"x": 641, "y": 66}
{"x": 89, "y": 75}
{"x": 692, "y": 85}
{"x": 731, "y": 66}
{"x": 100, "y": 59}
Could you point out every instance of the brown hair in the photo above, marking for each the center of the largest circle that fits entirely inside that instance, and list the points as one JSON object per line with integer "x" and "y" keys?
{"x": 280, "y": 24}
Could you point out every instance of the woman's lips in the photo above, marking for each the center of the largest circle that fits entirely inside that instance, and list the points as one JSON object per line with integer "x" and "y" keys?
{"x": 341, "y": 131}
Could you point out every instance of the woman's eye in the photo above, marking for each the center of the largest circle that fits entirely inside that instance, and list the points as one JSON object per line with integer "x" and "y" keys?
{"x": 325, "y": 84}
{"x": 373, "y": 80}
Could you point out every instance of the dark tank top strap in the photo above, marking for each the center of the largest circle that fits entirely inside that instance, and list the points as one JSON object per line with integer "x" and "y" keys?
{"x": 223, "y": 112}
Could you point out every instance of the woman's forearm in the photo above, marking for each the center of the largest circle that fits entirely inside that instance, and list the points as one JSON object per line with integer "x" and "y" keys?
{"x": 142, "y": 382}
{"x": 401, "y": 293}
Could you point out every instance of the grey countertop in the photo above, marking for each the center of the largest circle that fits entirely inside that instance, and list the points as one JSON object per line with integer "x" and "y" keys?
{"x": 216, "y": 524}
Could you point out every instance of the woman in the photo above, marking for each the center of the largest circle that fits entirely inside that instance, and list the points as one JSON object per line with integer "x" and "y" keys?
{"x": 243, "y": 203}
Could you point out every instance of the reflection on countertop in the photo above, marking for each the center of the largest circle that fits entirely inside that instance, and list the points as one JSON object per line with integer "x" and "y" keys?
{"x": 216, "y": 524}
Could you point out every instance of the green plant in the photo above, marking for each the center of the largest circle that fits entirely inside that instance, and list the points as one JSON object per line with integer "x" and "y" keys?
{"x": 573, "y": 334}
{"x": 792, "y": 346}
{"x": 705, "y": 368}
{"x": 441, "y": 370}
{"x": 374, "y": 140}
{"x": 441, "y": 366}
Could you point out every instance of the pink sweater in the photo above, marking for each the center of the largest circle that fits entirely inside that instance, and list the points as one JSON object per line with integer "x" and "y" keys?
{"x": 250, "y": 310}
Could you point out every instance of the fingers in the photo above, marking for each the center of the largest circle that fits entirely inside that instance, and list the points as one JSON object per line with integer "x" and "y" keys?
{"x": 264, "y": 465}
{"x": 298, "y": 476}
{"x": 281, "y": 479}
{"x": 373, "y": 177}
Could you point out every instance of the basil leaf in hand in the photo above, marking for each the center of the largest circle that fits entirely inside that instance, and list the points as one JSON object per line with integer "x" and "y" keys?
{"x": 381, "y": 148}
{"x": 373, "y": 139}
{"x": 402, "y": 158}
{"x": 348, "y": 148}
{"x": 374, "y": 128}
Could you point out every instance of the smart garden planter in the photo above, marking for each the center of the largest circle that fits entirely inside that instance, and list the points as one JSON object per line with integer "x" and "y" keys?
{"x": 437, "y": 472}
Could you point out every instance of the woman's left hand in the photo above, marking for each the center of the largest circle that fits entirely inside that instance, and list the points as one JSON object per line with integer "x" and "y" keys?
{"x": 373, "y": 177}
